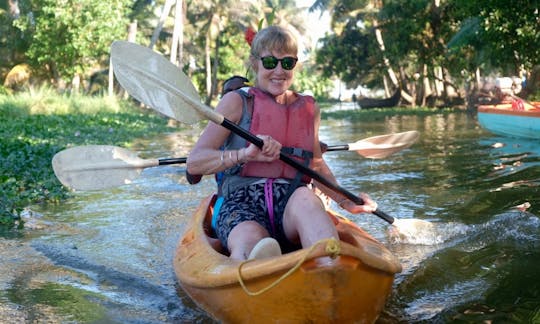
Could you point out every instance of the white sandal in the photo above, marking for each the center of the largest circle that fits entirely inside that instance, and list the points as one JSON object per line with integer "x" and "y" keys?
{"x": 265, "y": 248}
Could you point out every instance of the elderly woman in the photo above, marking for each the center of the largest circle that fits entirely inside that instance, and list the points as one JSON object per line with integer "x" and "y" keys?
{"x": 267, "y": 206}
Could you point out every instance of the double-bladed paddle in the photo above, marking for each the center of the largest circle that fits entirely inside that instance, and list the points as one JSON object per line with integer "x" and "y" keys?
{"x": 154, "y": 81}
{"x": 94, "y": 167}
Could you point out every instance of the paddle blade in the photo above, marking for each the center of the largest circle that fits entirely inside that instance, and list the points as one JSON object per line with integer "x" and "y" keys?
{"x": 382, "y": 146}
{"x": 94, "y": 167}
{"x": 413, "y": 231}
{"x": 151, "y": 79}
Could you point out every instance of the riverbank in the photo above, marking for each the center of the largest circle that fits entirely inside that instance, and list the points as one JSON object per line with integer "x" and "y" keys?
{"x": 35, "y": 125}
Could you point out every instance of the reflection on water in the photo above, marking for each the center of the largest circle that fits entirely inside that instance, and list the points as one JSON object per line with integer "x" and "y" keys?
{"x": 106, "y": 256}
{"x": 464, "y": 272}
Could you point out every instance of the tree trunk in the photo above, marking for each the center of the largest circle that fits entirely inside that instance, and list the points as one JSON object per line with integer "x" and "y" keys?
{"x": 164, "y": 14}
{"x": 60, "y": 84}
{"x": 208, "y": 63}
{"x": 111, "y": 80}
{"x": 132, "y": 31}
{"x": 478, "y": 78}
{"x": 386, "y": 61}
{"x": 426, "y": 87}
{"x": 14, "y": 10}
{"x": 214, "y": 72}
{"x": 76, "y": 83}
{"x": 439, "y": 84}
{"x": 380, "y": 41}
{"x": 180, "y": 23}
{"x": 178, "y": 39}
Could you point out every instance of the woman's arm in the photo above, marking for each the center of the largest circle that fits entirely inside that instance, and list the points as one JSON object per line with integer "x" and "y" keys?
{"x": 320, "y": 166}
{"x": 206, "y": 157}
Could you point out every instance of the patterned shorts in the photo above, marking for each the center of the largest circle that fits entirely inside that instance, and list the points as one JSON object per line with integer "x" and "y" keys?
{"x": 248, "y": 204}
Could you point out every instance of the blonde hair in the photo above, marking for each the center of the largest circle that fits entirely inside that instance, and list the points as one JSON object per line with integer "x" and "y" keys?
{"x": 274, "y": 38}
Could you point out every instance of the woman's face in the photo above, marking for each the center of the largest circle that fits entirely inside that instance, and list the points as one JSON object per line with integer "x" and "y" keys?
{"x": 277, "y": 80}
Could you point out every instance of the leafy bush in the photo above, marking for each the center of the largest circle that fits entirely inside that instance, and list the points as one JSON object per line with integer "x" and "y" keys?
{"x": 37, "y": 124}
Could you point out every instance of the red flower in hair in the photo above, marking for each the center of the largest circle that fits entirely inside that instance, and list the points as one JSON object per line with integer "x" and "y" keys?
{"x": 249, "y": 35}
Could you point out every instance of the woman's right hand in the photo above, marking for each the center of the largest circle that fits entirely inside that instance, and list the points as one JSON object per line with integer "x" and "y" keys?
{"x": 270, "y": 151}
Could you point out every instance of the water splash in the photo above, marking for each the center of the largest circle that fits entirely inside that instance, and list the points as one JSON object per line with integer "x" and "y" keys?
{"x": 435, "y": 234}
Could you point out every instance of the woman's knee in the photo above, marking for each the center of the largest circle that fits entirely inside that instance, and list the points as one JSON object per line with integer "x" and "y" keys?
{"x": 247, "y": 231}
{"x": 303, "y": 212}
{"x": 304, "y": 199}
{"x": 243, "y": 238}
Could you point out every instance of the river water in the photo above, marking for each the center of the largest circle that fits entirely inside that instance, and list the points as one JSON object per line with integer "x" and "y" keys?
{"x": 106, "y": 256}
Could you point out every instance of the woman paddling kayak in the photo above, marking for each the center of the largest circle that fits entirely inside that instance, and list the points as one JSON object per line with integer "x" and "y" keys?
{"x": 267, "y": 206}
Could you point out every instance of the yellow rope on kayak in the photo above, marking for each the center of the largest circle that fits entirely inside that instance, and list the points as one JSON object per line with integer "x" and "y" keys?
{"x": 332, "y": 247}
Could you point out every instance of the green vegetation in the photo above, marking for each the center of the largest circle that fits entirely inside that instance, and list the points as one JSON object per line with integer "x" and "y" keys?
{"x": 36, "y": 125}
{"x": 436, "y": 52}
{"x": 418, "y": 45}
{"x": 63, "y": 40}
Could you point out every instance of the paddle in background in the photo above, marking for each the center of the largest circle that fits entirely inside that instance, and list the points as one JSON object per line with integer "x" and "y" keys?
{"x": 95, "y": 167}
{"x": 153, "y": 80}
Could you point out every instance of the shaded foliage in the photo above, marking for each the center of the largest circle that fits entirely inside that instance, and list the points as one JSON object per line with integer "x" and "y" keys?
{"x": 354, "y": 68}
{"x": 506, "y": 32}
{"x": 422, "y": 39}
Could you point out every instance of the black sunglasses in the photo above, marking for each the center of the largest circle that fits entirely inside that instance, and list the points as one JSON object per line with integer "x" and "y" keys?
{"x": 287, "y": 63}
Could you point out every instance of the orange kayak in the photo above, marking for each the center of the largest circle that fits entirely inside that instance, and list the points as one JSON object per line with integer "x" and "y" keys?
{"x": 334, "y": 281}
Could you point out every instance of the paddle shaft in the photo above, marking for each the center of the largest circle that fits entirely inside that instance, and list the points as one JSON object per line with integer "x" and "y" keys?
{"x": 305, "y": 170}
{"x": 343, "y": 147}
{"x": 169, "y": 161}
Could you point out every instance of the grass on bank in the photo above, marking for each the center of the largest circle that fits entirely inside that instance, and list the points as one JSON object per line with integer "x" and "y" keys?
{"x": 35, "y": 125}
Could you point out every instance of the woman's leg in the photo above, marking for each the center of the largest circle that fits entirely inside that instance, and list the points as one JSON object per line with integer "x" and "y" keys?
{"x": 305, "y": 219}
{"x": 243, "y": 238}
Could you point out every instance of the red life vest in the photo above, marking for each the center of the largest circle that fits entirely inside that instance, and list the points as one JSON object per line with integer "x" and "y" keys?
{"x": 292, "y": 126}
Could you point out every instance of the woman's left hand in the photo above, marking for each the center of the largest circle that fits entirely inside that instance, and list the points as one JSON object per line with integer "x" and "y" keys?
{"x": 369, "y": 205}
